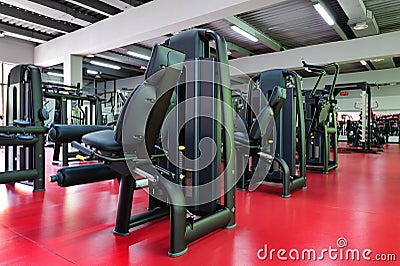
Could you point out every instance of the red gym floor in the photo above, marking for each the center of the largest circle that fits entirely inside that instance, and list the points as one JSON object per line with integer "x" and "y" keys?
{"x": 358, "y": 202}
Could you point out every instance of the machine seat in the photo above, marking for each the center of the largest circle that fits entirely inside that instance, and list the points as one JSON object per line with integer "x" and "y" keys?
{"x": 102, "y": 140}
{"x": 242, "y": 139}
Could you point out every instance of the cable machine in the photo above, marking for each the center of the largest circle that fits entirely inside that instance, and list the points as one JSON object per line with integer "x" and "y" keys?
{"x": 283, "y": 90}
{"x": 366, "y": 102}
{"x": 23, "y": 135}
{"x": 321, "y": 122}
{"x": 139, "y": 127}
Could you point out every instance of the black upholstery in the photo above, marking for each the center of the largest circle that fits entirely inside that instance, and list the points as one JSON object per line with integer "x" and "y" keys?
{"x": 102, "y": 140}
{"x": 146, "y": 107}
{"x": 68, "y": 133}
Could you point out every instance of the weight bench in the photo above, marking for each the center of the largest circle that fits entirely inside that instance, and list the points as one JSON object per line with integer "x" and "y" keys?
{"x": 62, "y": 134}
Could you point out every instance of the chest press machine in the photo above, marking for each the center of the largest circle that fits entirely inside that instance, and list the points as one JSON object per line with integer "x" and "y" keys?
{"x": 126, "y": 152}
{"x": 286, "y": 161}
{"x": 321, "y": 122}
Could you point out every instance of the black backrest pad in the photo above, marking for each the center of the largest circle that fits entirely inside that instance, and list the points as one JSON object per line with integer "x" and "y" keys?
{"x": 144, "y": 111}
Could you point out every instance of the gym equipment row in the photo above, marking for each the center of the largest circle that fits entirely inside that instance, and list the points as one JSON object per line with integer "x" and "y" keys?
{"x": 24, "y": 134}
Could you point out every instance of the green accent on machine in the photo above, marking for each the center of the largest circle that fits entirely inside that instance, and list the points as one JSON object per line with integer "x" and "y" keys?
{"x": 23, "y": 135}
{"x": 321, "y": 122}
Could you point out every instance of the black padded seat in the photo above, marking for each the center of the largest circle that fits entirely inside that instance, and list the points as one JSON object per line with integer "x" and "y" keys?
{"x": 102, "y": 140}
{"x": 60, "y": 133}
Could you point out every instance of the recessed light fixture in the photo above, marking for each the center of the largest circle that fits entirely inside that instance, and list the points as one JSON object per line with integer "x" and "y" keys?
{"x": 92, "y": 72}
{"x": 363, "y": 62}
{"x": 360, "y": 26}
{"x": 137, "y": 55}
{"x": 97, "y": 63}
{"x": 324, "y": 14}
{"x": 56, "y": 74}
{"x": 244, "y": 33}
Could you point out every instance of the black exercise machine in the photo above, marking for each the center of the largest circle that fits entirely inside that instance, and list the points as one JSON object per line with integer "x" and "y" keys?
{"x": 61, "y": 133}
{"x": 23, "y": 135}
{"x": 366, "y": 129}
{"x": 287, "y": 163}
{"x": 321, "y": 122}
{"x": 127, "y": 151}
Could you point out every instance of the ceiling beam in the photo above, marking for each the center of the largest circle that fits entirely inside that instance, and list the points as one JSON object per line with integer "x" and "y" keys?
{"x": 67, "y": 10}
{"x": 24, "y": 31}
{"x": 383, "y": 63}
{"x": 262, "y": 37}
{"x": 45, "y": 10}
{"x": 237, "y": 48}
{"x": 123, "y": 66}
{"x": 97, "y": 6}
{"x": 358, "y": 13}
{"x": 137, "y": 49}
{"x": 117, "y": 3}
{"x": 28, "y": 16}
{"x": 110, "y": 72}
{"x": 124, "y": 59}
{"x": 135, "y": 2}
{"x": 367, "y": 48}
{"x": 234, "y": 47}
{"x": 375, "y": 77}
{"x": 161, "y": 17}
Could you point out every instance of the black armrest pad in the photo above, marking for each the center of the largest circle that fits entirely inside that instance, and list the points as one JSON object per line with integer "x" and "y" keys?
{"x": 6, "y": 136}
{"x": 68, "y": 133}
{"x": 21, "y": 123}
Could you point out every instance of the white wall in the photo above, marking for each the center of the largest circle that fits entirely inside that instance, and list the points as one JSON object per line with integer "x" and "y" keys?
{"x": 16, "y": 51}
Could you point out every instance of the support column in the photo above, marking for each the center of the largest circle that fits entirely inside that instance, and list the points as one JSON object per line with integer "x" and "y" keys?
{"x": 72, "y": 70}
{"x": 72, "y": 76}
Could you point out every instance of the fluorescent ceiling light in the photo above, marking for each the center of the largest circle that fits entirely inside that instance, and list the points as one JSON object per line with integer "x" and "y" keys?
{"x": 141, "y": 56}
{"x": 324, "y": 14}
{"x": 363, "y": 62}
{"x": 244, "y": 33}
{"x": 22, "y": 37}
{"x": 90, "y": 56}
{"x": 92, "y": 72}
{"x": 97, "y": 63}
{"x": 56, "y": 74}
